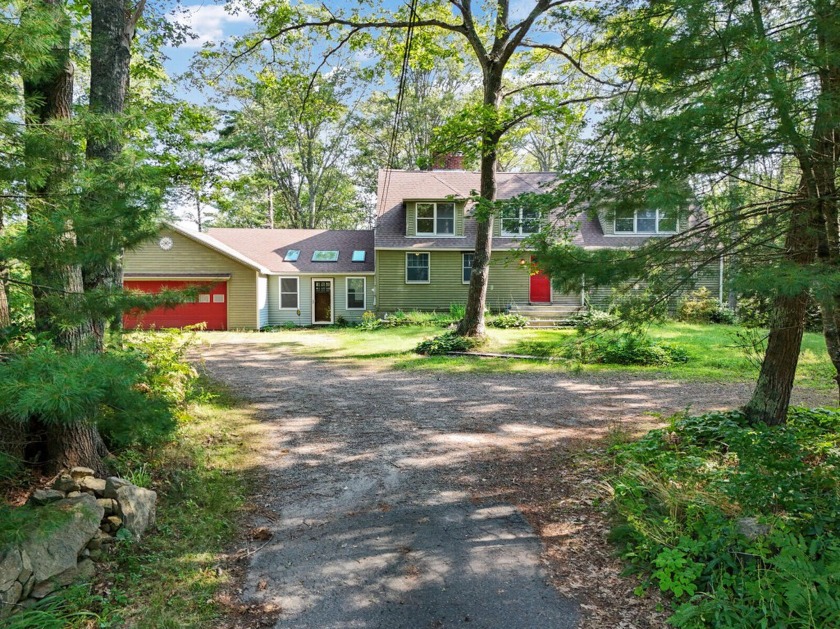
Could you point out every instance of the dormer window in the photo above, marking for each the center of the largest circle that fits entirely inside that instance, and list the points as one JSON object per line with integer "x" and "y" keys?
{"x": 645, "y": 222}
{"x": 435, "y": 219}
{"x": 520, "y": 221}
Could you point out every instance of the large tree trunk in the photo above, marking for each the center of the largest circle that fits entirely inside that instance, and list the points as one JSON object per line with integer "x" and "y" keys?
{"x": 771, "y": 396}
{"x": 113, "y": 24}
{"x": 56, "y": 279}
{"x": 830, "y": 309}
{"x": 58, "y": 287}
{"x": 5, "y": 314}
{"x": 473, "y": 322}
{"x": 76, "y": 444}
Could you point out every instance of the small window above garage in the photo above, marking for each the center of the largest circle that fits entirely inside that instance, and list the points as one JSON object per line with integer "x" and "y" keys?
{"x": 359, "y": 256}
{"x": 325, "y": 256}
{"x": 292, "y": 255}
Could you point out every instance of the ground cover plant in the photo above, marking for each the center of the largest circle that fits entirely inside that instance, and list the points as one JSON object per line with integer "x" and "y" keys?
{"x": 737, "y": 523}
{"x": 175, "y": 577}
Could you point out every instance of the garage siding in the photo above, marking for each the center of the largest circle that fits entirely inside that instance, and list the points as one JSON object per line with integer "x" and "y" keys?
{"x": 189, "y": 256}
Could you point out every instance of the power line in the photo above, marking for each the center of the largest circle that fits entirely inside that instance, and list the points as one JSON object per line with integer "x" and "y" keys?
{"x": 404, "y": 69}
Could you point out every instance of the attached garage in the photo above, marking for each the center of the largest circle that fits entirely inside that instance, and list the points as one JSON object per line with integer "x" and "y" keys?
{"x": 232, "y": 292}
{"x": 209, "y": 307}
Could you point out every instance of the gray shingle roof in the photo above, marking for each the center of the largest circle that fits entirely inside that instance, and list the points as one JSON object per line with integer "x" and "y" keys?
{"x": 396, "y": 186}
{"x": 268, "y": 247}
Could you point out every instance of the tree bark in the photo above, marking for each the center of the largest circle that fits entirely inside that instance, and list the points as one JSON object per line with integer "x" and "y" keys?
{"x": 5, "y": 313}
{"x": 72, "y": 445}
{"x": 48, "y": 96}
{"x": 113, "y": 24}
{"x": 830, "y": 309}
{"x": 473, "y": 322}
{"x": 771, "y": 396}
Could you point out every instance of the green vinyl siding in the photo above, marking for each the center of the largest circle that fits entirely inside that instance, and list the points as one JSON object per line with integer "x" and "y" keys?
{"x": 508, "y": 283}
{"x": 276, "y": 316}
{"x": 601, "y": 297}
{"x": 411, "y": 216}
{"x": 190, "y": 257}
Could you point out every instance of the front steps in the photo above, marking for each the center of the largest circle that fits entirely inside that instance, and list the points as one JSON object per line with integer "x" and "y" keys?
{"x": 547, "y": 315}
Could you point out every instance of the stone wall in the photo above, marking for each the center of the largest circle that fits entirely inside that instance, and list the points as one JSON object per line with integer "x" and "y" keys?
{"x": 79, "y": 519}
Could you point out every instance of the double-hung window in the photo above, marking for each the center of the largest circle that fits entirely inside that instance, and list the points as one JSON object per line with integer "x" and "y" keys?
{"x": 435, "y": 219}
{"x": 355, "y": 293}
{"x": 520, "y": 221}
{"x": 645, "y": 222}
{"x": 417, "y": 268}
{"x": 466, "y": 267}
{"x": 289, "y": 293}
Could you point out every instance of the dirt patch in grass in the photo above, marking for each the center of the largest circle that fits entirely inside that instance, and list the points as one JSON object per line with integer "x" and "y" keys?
{"x": 561, "y": 492}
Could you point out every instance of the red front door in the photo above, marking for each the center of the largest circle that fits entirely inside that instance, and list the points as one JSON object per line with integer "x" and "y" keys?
{"x": 210, "y": 307}
{"x": 540, "y": 285}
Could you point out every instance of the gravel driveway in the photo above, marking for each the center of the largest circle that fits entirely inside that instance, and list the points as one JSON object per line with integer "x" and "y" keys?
{"x": 371, "y": 525}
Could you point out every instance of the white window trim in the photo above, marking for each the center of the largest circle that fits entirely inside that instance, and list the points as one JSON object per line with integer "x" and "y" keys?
{"x": 519, "y": 220}
{"x": 280, "y": 291}
{"x": 636, "y": 227}
{"x": 347, "y": 292}
{"x": 408, "y": 281}
{"x": 417, "y": 232}
{"x": 463, "y": 266}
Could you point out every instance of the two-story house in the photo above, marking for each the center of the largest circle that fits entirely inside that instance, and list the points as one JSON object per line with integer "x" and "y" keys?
{"x": 419, "y": 257}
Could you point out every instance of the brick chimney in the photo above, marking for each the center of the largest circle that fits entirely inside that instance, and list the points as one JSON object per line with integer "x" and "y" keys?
{"x": 450, "y": 161}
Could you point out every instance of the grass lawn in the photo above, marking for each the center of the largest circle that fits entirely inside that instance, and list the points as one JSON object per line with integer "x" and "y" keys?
{"x": 171, "y": 579}
{"x": 713, "y": 352}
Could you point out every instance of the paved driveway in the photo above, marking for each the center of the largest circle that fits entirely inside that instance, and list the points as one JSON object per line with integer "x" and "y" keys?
{"x": 372, "y": 527}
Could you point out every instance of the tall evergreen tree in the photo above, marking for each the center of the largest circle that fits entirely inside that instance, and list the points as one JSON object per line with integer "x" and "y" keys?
{"x": 728, "y": 95}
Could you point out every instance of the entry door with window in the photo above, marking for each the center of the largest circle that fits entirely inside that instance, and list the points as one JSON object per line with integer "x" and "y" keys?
{"x": 322, "y": 310}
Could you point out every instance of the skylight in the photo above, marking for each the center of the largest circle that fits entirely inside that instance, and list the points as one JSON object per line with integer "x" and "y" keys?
{"x": 292, "y": 255}
{"x": 325, "y": 256}
{"x": 359, "y": 256}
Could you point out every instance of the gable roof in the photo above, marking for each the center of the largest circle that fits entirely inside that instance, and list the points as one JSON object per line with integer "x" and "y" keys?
{"x": 216, "y": 245}
{"x": 395, "y": 187}
{"x": 268, "y": 247}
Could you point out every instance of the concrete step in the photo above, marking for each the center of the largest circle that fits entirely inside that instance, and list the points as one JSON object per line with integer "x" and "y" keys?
{"x": 547, "y": 312}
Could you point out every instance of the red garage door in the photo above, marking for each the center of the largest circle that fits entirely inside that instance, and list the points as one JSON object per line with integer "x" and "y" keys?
{"x": 210, "y": 307}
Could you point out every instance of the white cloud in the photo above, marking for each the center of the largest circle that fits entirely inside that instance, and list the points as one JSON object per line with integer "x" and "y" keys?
{"x": 207, "y": 23}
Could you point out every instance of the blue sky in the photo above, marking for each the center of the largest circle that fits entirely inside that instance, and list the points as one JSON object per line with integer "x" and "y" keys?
{"x": 211, "y": 23}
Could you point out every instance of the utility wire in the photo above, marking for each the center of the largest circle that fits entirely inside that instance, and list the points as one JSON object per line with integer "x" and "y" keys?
{"x": 404, "y": 69}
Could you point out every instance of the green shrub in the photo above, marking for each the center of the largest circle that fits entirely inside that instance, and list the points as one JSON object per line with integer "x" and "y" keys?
{"x": 168, "y": 373}
{"x": 594, "y": 320}
{"x": 415, "y": 318}
{"x": 445, "y": 343}
{"x": 369, "y": 321}
{"x": 629, "y": 348}
{"x": 685, "y": 496}
{"x": 701, "y": 306}
{"x": 111, "y": 390}
{"x": 754, "y": 312}
{"x": 508, "y": 320}
{"x": 457, "y": 311}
